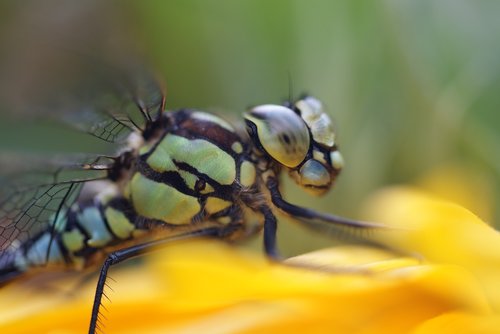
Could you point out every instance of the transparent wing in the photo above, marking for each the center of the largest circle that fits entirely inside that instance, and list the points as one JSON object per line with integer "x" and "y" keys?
{"x": 35, "y": 192}
{"x": 30, "y": 202}
{"x": 91, "y": 79}
{"x": 133, "y": 99}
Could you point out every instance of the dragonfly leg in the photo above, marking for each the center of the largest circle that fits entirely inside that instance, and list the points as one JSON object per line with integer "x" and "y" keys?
{"x": 308, "y": 217}
{"x": 270, "y": 227}
{"x": 136, "y": 250}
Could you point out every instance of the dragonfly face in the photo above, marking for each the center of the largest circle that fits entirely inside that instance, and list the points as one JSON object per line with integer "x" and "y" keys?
{"x": 300, "y": 139}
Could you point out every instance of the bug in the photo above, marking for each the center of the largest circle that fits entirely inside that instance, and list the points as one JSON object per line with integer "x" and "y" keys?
{"x": 181, "y": 174}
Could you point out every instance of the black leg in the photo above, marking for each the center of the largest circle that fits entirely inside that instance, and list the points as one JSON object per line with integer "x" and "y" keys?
{"x": 313, "y": 217}
{"x": 270, "y": 227}
{"x": 130, "y": 252}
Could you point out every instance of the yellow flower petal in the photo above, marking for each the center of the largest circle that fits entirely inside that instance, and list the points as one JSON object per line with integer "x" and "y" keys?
{"x": 440, "y": 232}
{"x": 461, "y": 185}
{"x": 461, "y": 323}
{"x": 209, "y": 287}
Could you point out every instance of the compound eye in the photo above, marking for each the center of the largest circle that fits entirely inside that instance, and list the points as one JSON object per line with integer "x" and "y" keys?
{"x": 281, "y": 132}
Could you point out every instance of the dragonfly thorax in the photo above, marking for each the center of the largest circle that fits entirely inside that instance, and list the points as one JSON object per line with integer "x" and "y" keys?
{"x": 194, "y": 170}
{"x": 300, "y": 139}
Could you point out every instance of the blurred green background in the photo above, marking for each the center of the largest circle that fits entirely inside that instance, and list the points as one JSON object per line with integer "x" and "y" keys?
{"x": 413, "y": 86}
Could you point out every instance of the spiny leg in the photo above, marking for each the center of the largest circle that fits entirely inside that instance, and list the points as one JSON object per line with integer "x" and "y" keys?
{"x": 136, "y": 250}
{"x": 310, "y": 215}
{"x": 270, "y": 247}
{"x": 327, "y": 224}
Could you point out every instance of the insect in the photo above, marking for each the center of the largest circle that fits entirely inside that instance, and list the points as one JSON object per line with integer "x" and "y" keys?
{"x": 181, "y": 174}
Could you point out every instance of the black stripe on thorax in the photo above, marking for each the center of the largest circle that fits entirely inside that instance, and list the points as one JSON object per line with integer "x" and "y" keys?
{"x": 174, "y": 179}
{"x": 221, "y": 191}
{"x": 193, "y": 128}
{"x": 171, "y": 178}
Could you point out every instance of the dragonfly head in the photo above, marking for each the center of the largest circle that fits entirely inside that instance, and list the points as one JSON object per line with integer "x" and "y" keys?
{"x": 300, "y": 138}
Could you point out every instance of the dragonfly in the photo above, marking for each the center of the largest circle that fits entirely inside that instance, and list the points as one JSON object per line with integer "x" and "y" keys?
{"x": 177, "y": 174}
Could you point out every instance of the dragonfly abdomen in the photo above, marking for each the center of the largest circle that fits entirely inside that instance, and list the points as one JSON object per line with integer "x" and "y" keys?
{"x": 73, "y": 238}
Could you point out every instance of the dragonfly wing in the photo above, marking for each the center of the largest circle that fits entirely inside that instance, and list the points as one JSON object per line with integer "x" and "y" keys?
{"x": 32, "y": 201}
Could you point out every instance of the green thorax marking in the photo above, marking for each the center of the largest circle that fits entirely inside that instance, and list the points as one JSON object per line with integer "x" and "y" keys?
{"x": 197, "y": 150}
{"x": 157, "y": 200}
{"x": 205, "y": 157}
